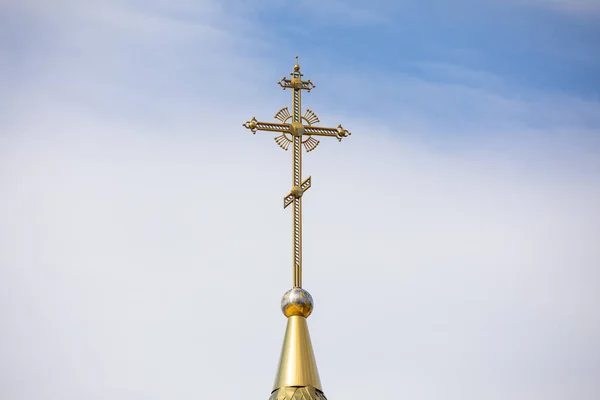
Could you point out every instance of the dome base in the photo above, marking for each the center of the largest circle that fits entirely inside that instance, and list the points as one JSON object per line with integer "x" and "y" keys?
{"x": 297, "y": 393}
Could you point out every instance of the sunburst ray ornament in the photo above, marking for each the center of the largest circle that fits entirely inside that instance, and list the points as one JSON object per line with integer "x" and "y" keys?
{"x": 310, "y": 117}
{"x": 284, "y": 140}
{"x": 310, "y": 144}
{"x": 283, "y": 114}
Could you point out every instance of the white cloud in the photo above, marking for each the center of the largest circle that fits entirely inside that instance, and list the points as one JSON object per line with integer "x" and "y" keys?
{"x": 126, "y": 255}
{"x": 581, "y": 7}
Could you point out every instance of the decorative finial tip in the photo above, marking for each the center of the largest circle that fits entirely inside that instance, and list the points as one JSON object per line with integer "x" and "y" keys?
{"x": 297, "y": 66}
{"x": 297, "y": 301}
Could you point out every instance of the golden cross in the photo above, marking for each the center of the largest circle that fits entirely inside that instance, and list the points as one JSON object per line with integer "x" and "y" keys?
{"x": 296, "y": 133}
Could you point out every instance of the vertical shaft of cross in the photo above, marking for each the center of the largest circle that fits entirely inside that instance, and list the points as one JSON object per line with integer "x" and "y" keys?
{"x": 296, "y": 134}
{"x": 296, "y": 181}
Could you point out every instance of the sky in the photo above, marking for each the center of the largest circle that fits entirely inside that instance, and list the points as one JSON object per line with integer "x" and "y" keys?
{"x": 451, "y": 243}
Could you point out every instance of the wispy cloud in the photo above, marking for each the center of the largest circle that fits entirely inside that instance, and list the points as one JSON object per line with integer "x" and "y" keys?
{"x": 340, "y": 12}
{"x": 581, "y": 7}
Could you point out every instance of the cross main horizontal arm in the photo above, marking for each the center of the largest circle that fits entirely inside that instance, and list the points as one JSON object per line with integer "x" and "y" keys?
{"x": 255, "y": 125}
{"x": 338, "y": 132}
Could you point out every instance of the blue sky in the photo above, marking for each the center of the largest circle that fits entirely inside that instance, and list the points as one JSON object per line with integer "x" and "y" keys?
{"x": 471, "y": 67}
{"x": 526, "y": 45}
{"x": 450, "y": 242}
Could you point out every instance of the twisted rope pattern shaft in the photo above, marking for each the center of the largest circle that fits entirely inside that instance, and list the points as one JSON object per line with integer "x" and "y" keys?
{"x": 297, "y": 214}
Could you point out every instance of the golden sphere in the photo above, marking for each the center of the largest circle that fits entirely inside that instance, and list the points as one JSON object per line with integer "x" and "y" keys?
{"x": 296, "y": 68}
{"x": 297, "y": 191}
{"x": 297, "y": 301}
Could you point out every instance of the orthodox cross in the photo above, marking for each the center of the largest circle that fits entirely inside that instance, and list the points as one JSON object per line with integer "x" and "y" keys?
{"x": 296, "y": 133}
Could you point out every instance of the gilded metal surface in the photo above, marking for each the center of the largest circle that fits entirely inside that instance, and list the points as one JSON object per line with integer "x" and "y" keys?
{"x": 297, "y": 301}
{"x": 297, "y": 366}
{"x": 296, "y": 130}
{"x": 297, "y": 393}
{"x": 297, "y": 192}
